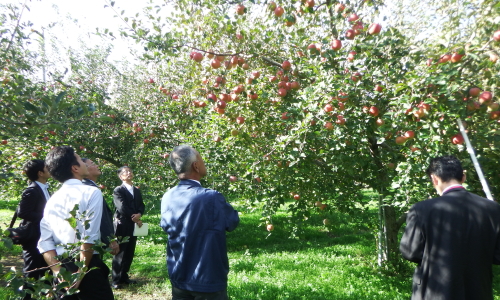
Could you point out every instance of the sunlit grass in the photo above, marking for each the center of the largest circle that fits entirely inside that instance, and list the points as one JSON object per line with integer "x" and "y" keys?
{"x": 334, "y": 262}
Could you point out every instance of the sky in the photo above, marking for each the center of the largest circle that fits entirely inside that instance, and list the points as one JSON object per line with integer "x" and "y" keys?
{"x": 90, "y": 14}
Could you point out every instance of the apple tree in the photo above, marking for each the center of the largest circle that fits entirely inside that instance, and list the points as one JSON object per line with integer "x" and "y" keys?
{"x": 315, "y": 102}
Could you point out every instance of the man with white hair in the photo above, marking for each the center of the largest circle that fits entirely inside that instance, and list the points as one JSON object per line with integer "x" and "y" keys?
{"x": 196, "y": 220}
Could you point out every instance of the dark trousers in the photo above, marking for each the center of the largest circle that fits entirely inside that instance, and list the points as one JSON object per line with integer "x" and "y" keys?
{"x": 33, "y": 260}
{"x": 123, "y": 260}
{"x": 95, "y": 284}
{"x": 178, "y": 294}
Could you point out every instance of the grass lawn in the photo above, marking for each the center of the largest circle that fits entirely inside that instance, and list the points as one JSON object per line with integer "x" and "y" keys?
{"x": 338, "y": 262}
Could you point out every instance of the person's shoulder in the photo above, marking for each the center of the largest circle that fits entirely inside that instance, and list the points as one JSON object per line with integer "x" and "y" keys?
{"x": 118, "y": 188}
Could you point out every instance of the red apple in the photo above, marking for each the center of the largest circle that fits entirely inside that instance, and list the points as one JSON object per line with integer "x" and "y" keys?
{"x": 295, "y": 85}
{"x": 379, "y": 122}
{"x": 240, "y": 9}
{"x": 379, "y": 88}
{"x": 278, "y": 12}
{"x": 34, "y": 154}
{"x": 455, "y": 57}
{"x": 400, "y": 140}
{"x": 336, "y": 45}
{"x": 240, "y": 120}
{"x": 457, "y": 139}
{"x": 286, "y": 65}
{"x": 339, "y": 7}
{"x": 350, "y": 34}
{"x": 485, "y": 97}
{"x": 216, "y": 139}
{"x": 296, "y": 196}
{"x": 353, "y": 17}
{"x": 282, "y": 92}
{"x": 284, "y": 116}
{"x": 221, "y": 104}
{"x": 245, "y": 66}
{"x": 233, "y": 178}
{"x": 270, "y": 227}
{"x": 374, "y": 29}
{"x": 351, "y": 55}
{"x": 474, "y": 92}
{"x": 215, "y": 63}
{"x": 166, "y": 155}
{"x": 494, "y": 115}
{"x": 444, "y": 58}
{"x": 328, "y": 108}
{"x": 373, "y": 111}
{"x": 329, "y": 125}
{"x": 255, "y": 74}
{"x": 146, "y": 141}
{"x": 272, "y": 5}
{"x": 409, "y": 134}
{"x": 4, "y": 142}
{"x": 151, "y": 80}
{"x": 309, "y": 3}
{"x": 196, "y": 56}
{"x": 496, "y": 35}
{"x": 258, "y": 179}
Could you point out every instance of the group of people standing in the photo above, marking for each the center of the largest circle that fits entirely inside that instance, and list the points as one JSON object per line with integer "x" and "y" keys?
{"x": 454, "y": 238}
{"x": 48, "y": 216}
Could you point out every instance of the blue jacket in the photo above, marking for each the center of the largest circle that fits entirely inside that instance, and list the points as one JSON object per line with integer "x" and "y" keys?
{"x": 196, "y": 220}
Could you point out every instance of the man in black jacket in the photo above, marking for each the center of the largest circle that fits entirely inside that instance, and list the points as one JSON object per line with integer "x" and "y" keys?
{"x": 30, "y": 209}
{"x": 107, "y": 229}
{"x": 129, "y": 210}
{"x": 454, "y": 238}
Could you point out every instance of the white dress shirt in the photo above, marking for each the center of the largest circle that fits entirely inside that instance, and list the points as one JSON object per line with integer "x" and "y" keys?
{"x": 129, "y": 188}
{"x": 45, "y": 189}
{"x": 56, "y": 231}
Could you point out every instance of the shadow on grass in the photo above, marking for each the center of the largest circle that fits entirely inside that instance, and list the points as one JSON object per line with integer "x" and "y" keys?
{"x": 250, "y": 235}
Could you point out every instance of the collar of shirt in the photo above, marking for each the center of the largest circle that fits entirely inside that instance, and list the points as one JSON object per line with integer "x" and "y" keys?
{"x": 93, "y": 182}
{"x": 129, "y": 188}
{"x": 452, "y": 187}
{"x": 194, "y": 181}
{"x": 42, "y": 185}
{"x": 73, "y": 181}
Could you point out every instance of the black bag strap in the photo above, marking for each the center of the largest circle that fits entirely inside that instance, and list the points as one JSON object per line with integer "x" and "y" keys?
{"x": 13, "y": 220}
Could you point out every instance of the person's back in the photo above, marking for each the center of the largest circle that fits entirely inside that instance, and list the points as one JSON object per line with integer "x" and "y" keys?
{"x": 455, "y": 239}
{"x": 462, "y": 230}
{"x": 196, "y": 220}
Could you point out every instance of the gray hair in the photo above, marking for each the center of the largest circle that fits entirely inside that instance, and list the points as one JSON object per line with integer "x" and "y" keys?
{"x": 182, "y": 158}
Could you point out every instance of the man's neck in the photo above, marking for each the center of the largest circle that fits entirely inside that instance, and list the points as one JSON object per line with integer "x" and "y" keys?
{"x": 42, "y": 180}
{"x": 191, "y": 176}
{"x": 443, "y": 186}
{"x": 129, "y": 182}
{"x": 93, "y": 178}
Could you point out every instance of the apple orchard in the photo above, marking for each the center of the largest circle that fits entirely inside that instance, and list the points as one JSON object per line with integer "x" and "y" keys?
{"x": 307, "y": 104}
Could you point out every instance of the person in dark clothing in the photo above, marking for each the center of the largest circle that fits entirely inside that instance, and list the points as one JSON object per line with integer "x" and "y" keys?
{"x": 454, "y": 238}
{"x": 107, "y": 228}
{"x": 30, "y": 209}
{"x": 129, "y": 210}
{"x": 196, "y": 220}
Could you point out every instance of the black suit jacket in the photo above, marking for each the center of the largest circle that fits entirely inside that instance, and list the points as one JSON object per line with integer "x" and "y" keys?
{"x": 31, "y": 208}
{"x": 455, "y": 239}
{"x": 126, "y": 205}
{"x": 106, "y": 228}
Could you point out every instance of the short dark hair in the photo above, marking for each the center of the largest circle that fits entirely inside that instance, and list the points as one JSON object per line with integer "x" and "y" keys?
{"x": 446, "y": 167}
{"x": 59, "y": 162}
{"x": 120, "y": 170}
{"x": 32, "y": 167}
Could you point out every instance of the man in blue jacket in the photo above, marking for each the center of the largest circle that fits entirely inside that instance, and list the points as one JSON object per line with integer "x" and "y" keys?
{"x": 196, "y": 220}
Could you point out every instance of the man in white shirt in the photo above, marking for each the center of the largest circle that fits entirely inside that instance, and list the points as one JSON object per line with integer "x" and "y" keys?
{"x": 56, "y": 231}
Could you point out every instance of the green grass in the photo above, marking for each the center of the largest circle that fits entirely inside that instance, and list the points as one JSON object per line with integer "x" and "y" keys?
{"x": 338, "y": 262}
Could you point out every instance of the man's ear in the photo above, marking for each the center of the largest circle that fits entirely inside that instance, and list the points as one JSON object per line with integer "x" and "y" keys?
{"x": 463, "y": 178}
{"x": 195, "y": 167}
{"x": 434, "y": 179}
